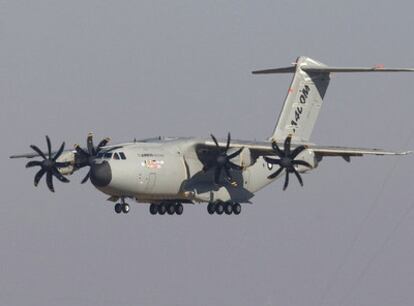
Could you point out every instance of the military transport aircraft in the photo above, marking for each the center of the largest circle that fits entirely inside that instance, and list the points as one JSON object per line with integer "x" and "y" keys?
{"x": 168, "y": 172}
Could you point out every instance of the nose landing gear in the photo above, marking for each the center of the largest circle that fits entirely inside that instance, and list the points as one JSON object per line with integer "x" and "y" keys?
{"x": 122, "y": 207}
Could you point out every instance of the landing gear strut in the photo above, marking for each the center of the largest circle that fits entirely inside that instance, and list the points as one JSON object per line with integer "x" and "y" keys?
{"x": 224, "y": 207}
{"x": 169, "y": 208}
{"x": 122, "y": 207}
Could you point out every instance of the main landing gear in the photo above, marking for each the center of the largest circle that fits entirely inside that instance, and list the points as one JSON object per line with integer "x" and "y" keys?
{"x": 169, "y": 208}
{"x": 220, "y": 208}
{"x": 122, "y": 207}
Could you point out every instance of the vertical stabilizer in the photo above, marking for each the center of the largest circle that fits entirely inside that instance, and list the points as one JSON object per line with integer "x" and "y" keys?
{"x": 305, "y": 95}
{"x": 303, "y": 101}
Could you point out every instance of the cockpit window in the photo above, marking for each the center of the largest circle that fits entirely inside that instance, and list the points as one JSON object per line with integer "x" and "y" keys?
{"x": 122, "y": 155}
{"x": 100, "y": 155}
{"x": 116, "y": 156}
{"x": 107, "y": 155}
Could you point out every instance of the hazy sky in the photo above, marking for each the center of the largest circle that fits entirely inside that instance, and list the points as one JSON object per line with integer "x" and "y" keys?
{"x": 129, "y": 69}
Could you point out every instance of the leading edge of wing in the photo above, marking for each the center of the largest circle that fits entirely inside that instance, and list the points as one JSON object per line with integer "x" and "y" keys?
{"x": 341, "y": 151}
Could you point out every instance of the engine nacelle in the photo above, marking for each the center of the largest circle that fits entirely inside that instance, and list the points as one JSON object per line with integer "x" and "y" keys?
{"x": 309, "y": 157}
{"x": 246, "y": 159}
{"x": 67, "y": 157}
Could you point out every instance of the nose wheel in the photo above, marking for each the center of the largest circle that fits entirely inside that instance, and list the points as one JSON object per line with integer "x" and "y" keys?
{"x": 227, "y": 208}
{"x": 122, "y": 208}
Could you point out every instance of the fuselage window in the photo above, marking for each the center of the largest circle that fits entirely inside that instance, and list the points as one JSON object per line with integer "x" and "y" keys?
{"x": 122, "y": 155}
{"x": 107, "y": 155}
{"x": 116, "y": 156}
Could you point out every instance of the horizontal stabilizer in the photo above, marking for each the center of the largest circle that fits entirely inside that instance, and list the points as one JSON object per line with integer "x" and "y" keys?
{"x": 327, "y": 69}
{"x": 290, "y": 69}
{"x": 355, "y": 69}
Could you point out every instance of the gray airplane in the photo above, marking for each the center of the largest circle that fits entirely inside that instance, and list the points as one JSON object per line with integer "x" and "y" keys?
{"x": 169, "y": 172}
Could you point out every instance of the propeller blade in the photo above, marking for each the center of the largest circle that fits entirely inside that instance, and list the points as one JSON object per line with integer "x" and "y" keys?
{"x": 37, "y": 150}
{"x": 217, "y": 174}
{"x": 89, "y": 142}
{"x": 113, "y": 148}
{"x": 301, "y": 162}
{"x": 229, "y": 177}
{"x": 277, "y": 150}
{"x": 81, "y": 151}
{"x": 287, "y": 145}
{"x": 273, "y": 175}
{"x": 228, "y": 142}
{"x": 215, "y": 141}
{"x": 62, "y": 165}
{"x": 59, "y": 176}
{"x": 298, "y": 176}
{"x": 49, "y": 181}
{"x": 33, "y": 163}
{"x": 233, "y": 155}
{"x": 103, "y": 143}
{"x": 286, "y": 180}
{"x": 85, "y": 179}
{"x": 59, "y": 152}
{"x": 38, "y": 176}
{"x": 272, "y": 160}
{"x": 49, "y": 147}
{"x": 234, "y": 166}
{"x": 297, "y": 151}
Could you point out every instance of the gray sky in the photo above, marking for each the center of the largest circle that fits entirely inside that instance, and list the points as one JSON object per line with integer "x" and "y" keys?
{"x": 129, "y": 69}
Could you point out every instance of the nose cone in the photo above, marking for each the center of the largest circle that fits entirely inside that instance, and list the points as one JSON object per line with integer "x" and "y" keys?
{"x": 101, "y": 174}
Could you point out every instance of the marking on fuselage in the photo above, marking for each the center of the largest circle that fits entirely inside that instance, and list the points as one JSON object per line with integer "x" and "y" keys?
{"x": 152, "y": 163}
{"x": 303, "y": 98}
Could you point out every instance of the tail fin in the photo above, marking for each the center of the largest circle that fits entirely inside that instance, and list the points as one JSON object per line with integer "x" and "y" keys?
{"x": 305, "y": 95}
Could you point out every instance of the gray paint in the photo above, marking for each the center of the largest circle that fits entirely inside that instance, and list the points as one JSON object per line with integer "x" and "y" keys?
{"x": 115, "y": 68}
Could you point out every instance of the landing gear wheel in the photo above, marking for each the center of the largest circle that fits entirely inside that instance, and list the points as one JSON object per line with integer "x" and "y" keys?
{"x": 219, "y": 208}
{"x": 210, "y": 208}
{"x": 179, "y": 209}
{"x": 118, "y": 208}
{"x": 236, "y": 208}
{"x": 228, "y": 208}
{"x": 125, "y": 208}
{"x": 153, "y": 209}
{"x": 171, "y": 209}
{"x": 162, "y": 209}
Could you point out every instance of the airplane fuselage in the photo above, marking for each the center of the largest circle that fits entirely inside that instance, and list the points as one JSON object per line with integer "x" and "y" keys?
{"x": 152, "y": 172}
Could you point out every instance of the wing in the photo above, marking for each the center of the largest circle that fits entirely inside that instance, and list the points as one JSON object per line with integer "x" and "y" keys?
{"x": 264, "y": 148}
{"x": 345, "y": 151}
{"x": 32, "y": 155}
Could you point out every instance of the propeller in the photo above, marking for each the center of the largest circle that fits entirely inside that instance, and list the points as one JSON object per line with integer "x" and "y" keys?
{"x": 223, "y": 161}
{"x": 87, "y": 157}
{"x": 48, "y": 165}
{"x": 287, "y": 161}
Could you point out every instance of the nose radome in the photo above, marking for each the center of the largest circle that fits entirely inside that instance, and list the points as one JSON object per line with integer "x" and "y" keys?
{"x": 101, "y": 174}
